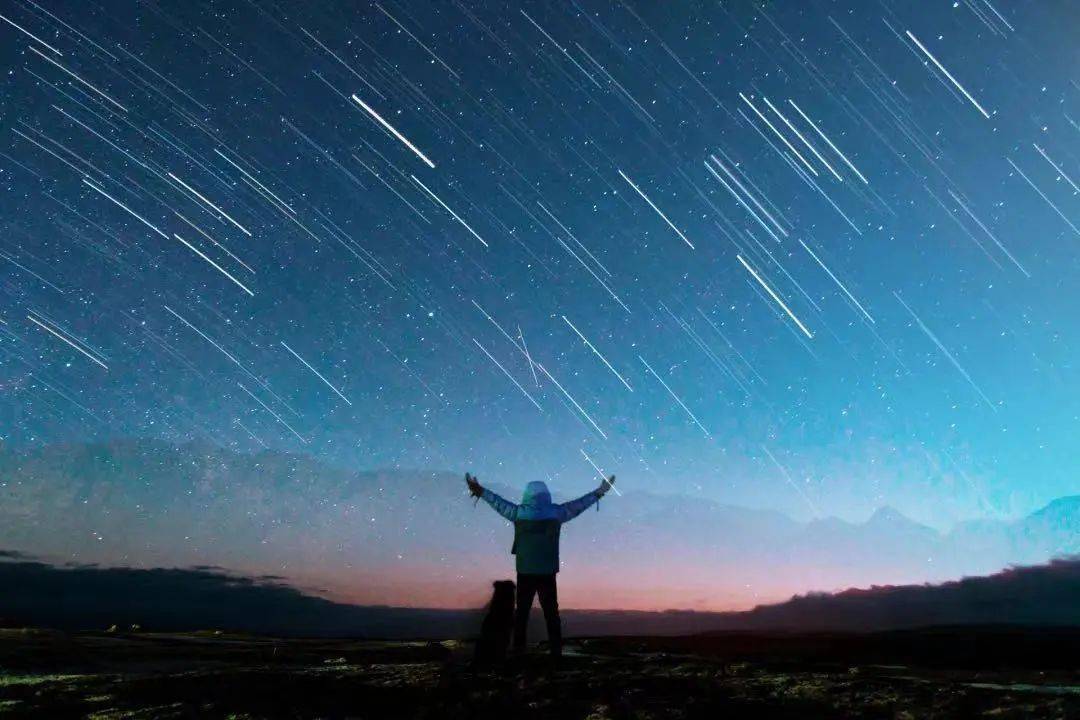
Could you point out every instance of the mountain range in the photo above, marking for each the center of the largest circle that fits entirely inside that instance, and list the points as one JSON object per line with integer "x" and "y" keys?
{"x": 414, "y": 538}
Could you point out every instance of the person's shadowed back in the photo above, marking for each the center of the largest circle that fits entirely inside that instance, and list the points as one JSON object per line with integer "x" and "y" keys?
{"x": 537, "y": 525}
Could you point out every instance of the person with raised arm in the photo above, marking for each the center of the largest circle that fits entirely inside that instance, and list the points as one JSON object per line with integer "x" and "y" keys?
{"x": 537, "y": 524}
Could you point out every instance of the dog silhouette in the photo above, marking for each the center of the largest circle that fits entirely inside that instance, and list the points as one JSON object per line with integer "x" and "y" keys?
{"x": 498, "y": 625}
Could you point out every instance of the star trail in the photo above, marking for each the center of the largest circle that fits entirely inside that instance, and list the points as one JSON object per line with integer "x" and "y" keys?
{"x": 813, "y": 256}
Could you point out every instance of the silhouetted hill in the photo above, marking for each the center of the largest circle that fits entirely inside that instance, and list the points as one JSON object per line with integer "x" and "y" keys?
{"x": 1045, "y": 595}
{"x": 84, "y": 598}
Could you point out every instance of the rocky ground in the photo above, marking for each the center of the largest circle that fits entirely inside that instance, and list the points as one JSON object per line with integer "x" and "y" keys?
{"x": 215, "y": 675}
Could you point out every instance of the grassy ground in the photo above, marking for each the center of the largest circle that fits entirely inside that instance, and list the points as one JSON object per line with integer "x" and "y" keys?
{"x": 212, "y": 675}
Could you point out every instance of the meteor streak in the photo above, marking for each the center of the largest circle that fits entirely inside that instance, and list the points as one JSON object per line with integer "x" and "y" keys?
{"x": 600, "y": 472}
{"x": 784, "y": 472}
{"x": 944, "y": 351}
{"x": 196, "y": 193}
{"x": 837, "y": 281}
{"x": 26, "y": 32}
{"x": 508, "y": 375}
{"x": 210, "y": 340}
{"x": 948, "y": 75}
{"x": 217, "y": 267}
{"x": 748, "y": 194}
{"x": 775, "y": 297}
{"x": 48, "y": 329}
{"x": 598, "y": 354}
{"x": 572, "y": 400}
{"x": 658, "y": 210}
{"x": 249, "y": 177}
{"x": 1055, "y": 166}
{"x": 986, "y": 230}
{"x": 214, "y": 242}
{"x": 525, "y": 349}
{"x": 276, "y": 416}
{"x": 829, "y": 142}
{"x": 131, "y": 212}
{"x": 805, "y": 142}
{"x": 779, "y": 135}
{"x": 46, "y": 57}
{"x": 1043, "y": 196}
{"x": 317, "y": 373}
{"x": 394, "y": 132}
{"x": 447, "y": 208}
{"x": 674, "y": 396}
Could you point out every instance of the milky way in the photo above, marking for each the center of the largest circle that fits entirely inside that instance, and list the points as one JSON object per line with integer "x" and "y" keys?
{"x": 812, "y": 256}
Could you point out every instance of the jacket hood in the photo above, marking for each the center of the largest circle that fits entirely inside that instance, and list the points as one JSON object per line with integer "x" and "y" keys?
{"x": 536, "y": 494}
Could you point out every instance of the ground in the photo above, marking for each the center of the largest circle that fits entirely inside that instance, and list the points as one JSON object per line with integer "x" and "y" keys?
{"x": 216, "y": 675}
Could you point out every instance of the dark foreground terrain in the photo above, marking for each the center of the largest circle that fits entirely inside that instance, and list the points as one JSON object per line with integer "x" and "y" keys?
{"x": 984, "y": 673}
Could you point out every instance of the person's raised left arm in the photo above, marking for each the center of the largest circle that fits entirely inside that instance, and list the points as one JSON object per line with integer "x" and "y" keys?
{"x": 570, "y": 510}
{"x": 502, "y": 506}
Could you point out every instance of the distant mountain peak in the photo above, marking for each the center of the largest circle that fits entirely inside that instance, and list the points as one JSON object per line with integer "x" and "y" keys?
{"x": 1067, "y": 504}
{"x": 889, "y": 518}
{"x": 888, "y": 515}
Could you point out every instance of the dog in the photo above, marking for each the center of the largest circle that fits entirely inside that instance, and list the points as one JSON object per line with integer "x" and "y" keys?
{"x": 497, "y": 627}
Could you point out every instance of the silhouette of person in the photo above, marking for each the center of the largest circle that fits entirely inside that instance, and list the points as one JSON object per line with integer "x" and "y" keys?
{"x": 537, "y": 522}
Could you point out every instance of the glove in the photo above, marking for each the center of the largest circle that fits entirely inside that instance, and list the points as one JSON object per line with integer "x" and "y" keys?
{"x": 475, "y": 489}
{"x": 605, "y": 486}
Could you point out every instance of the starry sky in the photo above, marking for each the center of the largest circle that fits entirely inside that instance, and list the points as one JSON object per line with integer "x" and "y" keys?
{"x": 818, "y": 257}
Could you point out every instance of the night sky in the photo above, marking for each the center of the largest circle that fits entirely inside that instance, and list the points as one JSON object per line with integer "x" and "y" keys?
{"x": 818, "y": 257}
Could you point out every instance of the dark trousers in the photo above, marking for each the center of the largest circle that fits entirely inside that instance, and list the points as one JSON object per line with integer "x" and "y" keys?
{"x": 544, "y": 586}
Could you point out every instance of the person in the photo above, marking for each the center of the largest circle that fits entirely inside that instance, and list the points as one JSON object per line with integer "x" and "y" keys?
{"x": 537, "y": 522}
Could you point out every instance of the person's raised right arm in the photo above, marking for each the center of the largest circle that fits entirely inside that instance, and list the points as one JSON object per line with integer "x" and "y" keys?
{"x": 570, "y": 510}
{"x": 502, "y": 506}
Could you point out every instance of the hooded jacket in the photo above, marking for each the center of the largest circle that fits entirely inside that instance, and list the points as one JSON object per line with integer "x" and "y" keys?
{"x": 537, "y": 522}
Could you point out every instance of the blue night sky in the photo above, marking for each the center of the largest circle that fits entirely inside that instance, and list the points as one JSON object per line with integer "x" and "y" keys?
{"x": 823, "y": 255}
